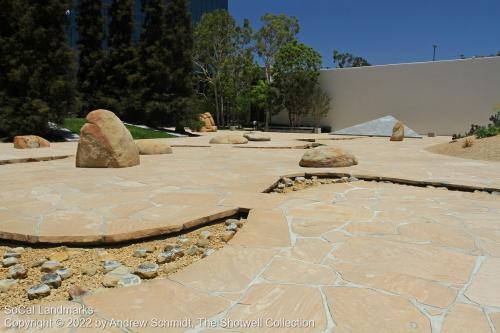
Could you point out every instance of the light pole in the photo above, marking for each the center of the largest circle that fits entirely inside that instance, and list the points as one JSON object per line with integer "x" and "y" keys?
{"x": 434, "y": 46}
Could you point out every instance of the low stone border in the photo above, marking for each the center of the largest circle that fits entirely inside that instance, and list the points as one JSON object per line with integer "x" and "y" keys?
{"x": 400, "y": 181}
{"x": 33, "y": 159}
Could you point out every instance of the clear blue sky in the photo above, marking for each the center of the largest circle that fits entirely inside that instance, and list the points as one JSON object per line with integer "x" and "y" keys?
{"x": 387, "y": 31}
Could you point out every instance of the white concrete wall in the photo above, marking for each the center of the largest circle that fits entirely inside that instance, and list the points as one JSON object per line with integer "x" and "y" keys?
{"x": 444, "y": 97}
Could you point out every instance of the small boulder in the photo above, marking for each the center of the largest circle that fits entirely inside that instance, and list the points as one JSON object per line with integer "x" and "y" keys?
{"x": 330, "y": 157}
{"x": 53, "y": 280}
{"x": 227, "y": 236}
{"x": 6, "y": 284}
{"x": 18, "y": 272}
{"x": 228, "y": 139}
{"x": 38, "y": 291}
{"x": 140, "y": 253}
{"x": 208, "y": 123}
{"x": 208, "y": 252}
{"x": 194, "y": 250}
{"x": 7, "y": 262}
{"x": 398, "y": 132}
{"x": 153, "y": 147}
{"x": 129, "y": 280}
{"x": 257, "y": 137}
{"x": 38, "y": 262}
{"x": 203, "y": 243}
{"x": 30, "y": 141}
{"x": 147, "y": 270}
{"x": 89, "y": 269}
{"x": 51, "y": 266}
{"x": 64, "y": 273}
{"x": 105, "y": 143}
{"x": 110, "y": 265}
{"x": 232, "y": 227}
{"x": 205, "y": 234}
{"x": 59, "y": 256}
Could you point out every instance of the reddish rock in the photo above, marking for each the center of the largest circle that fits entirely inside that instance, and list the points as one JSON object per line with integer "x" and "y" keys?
{"x": 208, "y": 123}
{"x": 30, "y": 141}
{"x": 398, "y": 132}
{"x": 106, "y": 143}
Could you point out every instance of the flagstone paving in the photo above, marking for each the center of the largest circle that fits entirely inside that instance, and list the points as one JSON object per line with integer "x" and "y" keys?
{"x": 348, "y": 257}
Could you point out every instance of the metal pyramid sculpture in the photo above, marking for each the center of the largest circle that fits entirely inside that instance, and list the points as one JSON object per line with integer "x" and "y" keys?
{"x": 378, "y": 127}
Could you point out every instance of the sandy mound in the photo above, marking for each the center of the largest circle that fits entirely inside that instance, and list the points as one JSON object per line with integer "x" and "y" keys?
{"x": 482, "y": 149}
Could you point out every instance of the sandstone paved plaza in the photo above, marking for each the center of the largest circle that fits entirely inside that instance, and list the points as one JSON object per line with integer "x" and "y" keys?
{"x": 407, "y": 241}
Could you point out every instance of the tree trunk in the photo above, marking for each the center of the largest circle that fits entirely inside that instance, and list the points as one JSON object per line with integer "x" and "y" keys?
{"x": 217, "y": 114}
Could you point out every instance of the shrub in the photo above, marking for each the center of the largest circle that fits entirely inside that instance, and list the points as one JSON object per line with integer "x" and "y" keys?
{"x": 467, "y": 143}
{"x": 484, "y": 132}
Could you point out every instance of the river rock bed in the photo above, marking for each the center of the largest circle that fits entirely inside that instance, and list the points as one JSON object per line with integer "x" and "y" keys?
{"x": 290, "y": 184}
{"x": 88, "y": 269}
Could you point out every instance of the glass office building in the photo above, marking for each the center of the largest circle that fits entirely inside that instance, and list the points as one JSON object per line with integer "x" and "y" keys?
{"x": 198, "y": 8}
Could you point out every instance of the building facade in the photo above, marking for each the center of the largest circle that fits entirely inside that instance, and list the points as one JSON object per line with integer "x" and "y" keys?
{"x": 197, "y": 7}
{"x": 443, "y": 97}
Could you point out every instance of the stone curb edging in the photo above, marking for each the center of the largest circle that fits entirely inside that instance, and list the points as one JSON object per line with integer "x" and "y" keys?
{"x": 399, "y": 181}
{"x": 33, "y": 159}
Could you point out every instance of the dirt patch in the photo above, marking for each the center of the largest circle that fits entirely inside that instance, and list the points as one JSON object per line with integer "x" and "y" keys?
{"x": 81, "y": 257}
{"x": 487, "y": 149}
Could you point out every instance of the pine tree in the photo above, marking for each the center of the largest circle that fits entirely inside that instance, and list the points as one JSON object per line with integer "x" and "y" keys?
{"x": 179, "y": 38}
{"x": 38, "y": 66}
{"x": 91, "y": 38}
{"x": 155, "y": 77}
{"x": 120, "y": 65}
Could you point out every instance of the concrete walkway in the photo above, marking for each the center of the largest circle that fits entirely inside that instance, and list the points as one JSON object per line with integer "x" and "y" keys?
{"x": 353, "y": 257}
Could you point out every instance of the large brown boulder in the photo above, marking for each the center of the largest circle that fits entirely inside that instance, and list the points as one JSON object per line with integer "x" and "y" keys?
{"x": 30, "y": 141}
{"x": 153, "y": 147}
{"x": 330, "y": 157}
{"x": 208, "y": 123}
{"x": 228, "y": 139}
{"x": 398, "y": 132}
{"x": 105, "y": 143}
{"x": 257, "y": 137}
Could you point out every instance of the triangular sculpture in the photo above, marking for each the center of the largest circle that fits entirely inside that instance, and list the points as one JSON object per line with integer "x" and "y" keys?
{"x": 378, "y": 127}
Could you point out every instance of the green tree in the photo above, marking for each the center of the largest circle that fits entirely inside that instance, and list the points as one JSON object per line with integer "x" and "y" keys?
{"x": 276, "y": 31}
{"x": 37, "y": 84}
{"x": 90, "y": 23}
{"x": 120, "y": 91}
{"x": 222, "y": 56}
{"x": 295, "y": 75}
{"x": 154, "y": 73}
{"x": 320, "y": 104}
{"x": 343, "y": 60}
{"x": 179, "y": 39}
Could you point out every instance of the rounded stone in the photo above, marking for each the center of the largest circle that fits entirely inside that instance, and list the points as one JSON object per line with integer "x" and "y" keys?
{"x": 50, "y": 266}
{"x": 166, "y": 256}
{"x": 38, "y": 262}
{"x": 203, "y": 243}
{"x": 11, "y": 255}
{"x": 232, "y": 227}
{"x": 6, "y": 284}
{"x": 227, "y": 236}
{"x": 228, "y": 139}
{"x": 140, "y": 253}
{"x": 170, "y": 247}
{"x": 89, "y": 269}
{"x": 205, "y": 234}
{"x": 230, "y": 221}
{"x": 330, "y": 157}
{"x": 53, "y": 280}
{"x": 110, "y": 265}
{"x": 194, "y": 250}
{"x": 182, "y": 239}
{"x": 208, "y": 252}
{"x": 38, "y": 291}
{"x": 153, "y": 147}
{"x": 64, "y": 273}
{"x": 147, "y": 270}
{"x": 129, "y": 280}
{"x": 7, "y": 262}
{"x": 110, "y": 280}
{"x": 58, "y": 256}
{"x": 18, "y": 272}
